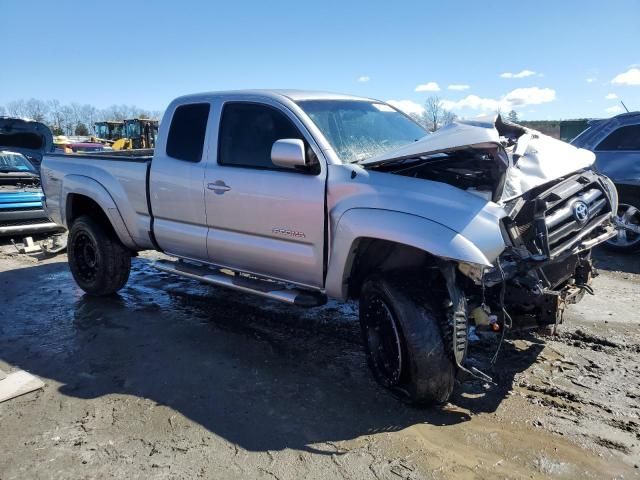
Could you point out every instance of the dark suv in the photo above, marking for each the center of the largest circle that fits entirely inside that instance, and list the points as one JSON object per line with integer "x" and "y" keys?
{"x": 616, "y": 143}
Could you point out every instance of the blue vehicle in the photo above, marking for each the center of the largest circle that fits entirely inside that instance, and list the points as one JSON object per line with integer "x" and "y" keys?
{"x": 22, "y": 145}
{"x": 21, "y": 198}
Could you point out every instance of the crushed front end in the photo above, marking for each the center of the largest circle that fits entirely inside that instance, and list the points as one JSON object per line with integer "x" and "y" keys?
{"x": 546, "y": 265}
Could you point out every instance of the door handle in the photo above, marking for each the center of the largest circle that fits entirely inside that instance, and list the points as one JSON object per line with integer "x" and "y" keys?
{"x": 219, "y": 187}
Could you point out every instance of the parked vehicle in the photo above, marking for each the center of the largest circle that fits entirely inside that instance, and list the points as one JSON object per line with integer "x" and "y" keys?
{"x": 300, "y": 196}
{"x": 85, "y": 147}
{"x": 616, "y": 143}
{"x": 21, "y": 210}
{"x": 134, "y": 133}
{"x": 31, "y": 139}
{"x": 109, "y": 131}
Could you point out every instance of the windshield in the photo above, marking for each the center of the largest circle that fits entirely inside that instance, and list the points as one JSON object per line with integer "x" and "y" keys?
{"x": 358, "y": 129}
{"x": 15, "y": 162}
{"x": 132, "y": 129}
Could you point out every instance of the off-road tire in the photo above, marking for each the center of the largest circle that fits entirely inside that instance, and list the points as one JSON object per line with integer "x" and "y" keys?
{"x": 99, "y": 262}
{"x": 633, "y": 199}
{"x": 427, "y": 374}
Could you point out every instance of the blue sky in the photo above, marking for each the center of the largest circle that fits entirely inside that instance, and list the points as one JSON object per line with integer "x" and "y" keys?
{"x": 563, "y": 57}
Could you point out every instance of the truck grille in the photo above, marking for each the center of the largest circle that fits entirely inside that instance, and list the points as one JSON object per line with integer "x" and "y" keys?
{"x": 569, "y": 219}
{"x": 563, "y": 215}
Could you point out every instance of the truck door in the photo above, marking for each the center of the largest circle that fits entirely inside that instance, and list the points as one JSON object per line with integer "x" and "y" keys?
{"x": 176, "y": 182}
{"x": 264, "y": 219}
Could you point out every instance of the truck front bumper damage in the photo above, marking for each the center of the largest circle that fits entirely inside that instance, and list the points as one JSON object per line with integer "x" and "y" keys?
{"x": 547, "y": 263}
{"x": 536, "y": 290}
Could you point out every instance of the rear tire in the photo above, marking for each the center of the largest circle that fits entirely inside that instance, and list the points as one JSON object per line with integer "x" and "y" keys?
{"x": 628, "y": 212}
{"x": 99, "y": 262}
{"x": 403, "y": 341}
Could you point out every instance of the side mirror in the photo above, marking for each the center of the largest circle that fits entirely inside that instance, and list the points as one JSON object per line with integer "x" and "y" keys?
{"x": 288, "y": 153}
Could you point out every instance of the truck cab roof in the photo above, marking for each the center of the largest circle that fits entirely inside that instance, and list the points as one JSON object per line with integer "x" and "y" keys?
{"x": 276, "y": 94}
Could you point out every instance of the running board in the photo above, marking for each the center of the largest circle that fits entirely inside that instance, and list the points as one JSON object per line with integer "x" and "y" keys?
{"x": 243, "y": 283}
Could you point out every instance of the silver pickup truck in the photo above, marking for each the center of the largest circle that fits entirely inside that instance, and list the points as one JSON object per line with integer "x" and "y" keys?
{"x": 301, "y": 196}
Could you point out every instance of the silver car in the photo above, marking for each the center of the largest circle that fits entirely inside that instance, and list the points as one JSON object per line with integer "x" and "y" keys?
{"x": 616, "y": 143}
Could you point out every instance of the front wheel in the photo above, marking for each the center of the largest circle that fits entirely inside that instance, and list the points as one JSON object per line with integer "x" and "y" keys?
{"x": 403, "y": 341}
{"x": 628, "y": 223}
{"x": 99, "y": 262}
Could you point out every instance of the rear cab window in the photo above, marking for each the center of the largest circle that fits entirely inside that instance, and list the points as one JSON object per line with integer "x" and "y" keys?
{"x": 187, "y": 132}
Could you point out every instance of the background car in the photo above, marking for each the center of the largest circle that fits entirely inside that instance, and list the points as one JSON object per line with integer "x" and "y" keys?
{"x": 616, "y": 143}
{"x": 31, "y": 139}
{"x": 81, "y": 147}
{"x": 21, "y": 198}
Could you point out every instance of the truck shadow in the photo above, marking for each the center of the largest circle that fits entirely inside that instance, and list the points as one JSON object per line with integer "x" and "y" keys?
{"x": 261, "y": 375}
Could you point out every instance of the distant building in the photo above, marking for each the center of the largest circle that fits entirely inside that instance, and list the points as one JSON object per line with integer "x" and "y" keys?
{"x": 565, "y": 130}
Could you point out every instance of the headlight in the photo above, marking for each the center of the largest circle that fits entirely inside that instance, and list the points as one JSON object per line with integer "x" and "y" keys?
{"x": 472, "y": 271}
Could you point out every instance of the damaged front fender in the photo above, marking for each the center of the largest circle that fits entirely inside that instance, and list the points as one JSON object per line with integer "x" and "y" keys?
{"x": 411, "y": 230}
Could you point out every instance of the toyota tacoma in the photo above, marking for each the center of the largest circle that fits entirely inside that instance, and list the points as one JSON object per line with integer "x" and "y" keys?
{"x": 303, "y": 196}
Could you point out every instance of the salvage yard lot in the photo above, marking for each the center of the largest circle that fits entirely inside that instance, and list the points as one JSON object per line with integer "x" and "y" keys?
{"x": 174, "y": 379}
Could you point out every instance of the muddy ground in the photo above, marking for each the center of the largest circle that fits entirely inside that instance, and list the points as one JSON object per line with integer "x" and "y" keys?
{"x": 173, "y": 379}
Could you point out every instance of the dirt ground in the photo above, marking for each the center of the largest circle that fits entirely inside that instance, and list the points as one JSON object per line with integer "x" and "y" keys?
{"x": 174, "y": 379}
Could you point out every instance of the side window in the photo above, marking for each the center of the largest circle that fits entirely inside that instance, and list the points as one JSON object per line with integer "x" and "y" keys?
{"x": 248, "y": 131}
{"x": 187, "y": 132}
{"x": 624, "y": 138}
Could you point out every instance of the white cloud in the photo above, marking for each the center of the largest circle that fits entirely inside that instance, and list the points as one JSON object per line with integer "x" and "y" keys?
{"x": 458, "y": 87}
{"x": 474, "y": 102}
{"x": 630, "y": 77}
{"x": 407, "y": 106}
{"x": 363, "y": 78}
{"x": 522, "y": 74}
{"x": 611, "y": 96}
{"x": 614, "y": 109}
{"x": 428, "y": 87}
{"x": 591, "y": 79}
{"x": 515, "y": 98}
{"x": 530, "y": 96}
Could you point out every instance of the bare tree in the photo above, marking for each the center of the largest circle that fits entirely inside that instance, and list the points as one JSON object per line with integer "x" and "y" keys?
{"x": 88, "y": 116}
{"x": 68, "y": 119}
{"x": 448, "y": 118}
{"x": 37, "y": 110}
{"x": 65, "y": 119}
{"x": 16, "y": 109}
{"x": 56, "y": 118}
{"x": 435, "y": 116}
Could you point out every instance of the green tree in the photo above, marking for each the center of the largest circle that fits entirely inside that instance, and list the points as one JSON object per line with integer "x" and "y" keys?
{"x": 81, "y": 129}
{"x": 512, "y": 116}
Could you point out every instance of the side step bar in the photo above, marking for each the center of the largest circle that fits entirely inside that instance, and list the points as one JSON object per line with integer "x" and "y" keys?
{"x": 243, "y": 283}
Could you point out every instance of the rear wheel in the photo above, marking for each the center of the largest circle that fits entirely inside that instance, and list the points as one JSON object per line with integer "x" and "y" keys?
{"x": 99, "y": 262}
{"x": 628, "y": 223}
{"x": 403, "y": 341}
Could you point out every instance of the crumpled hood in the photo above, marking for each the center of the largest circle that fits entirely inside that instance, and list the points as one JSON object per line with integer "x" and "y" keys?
{"x": 534, "y": 158}
{"x": 32, "y": 139}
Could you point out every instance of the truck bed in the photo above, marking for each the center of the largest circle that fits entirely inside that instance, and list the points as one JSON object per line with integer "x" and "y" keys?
{"x": 121, "y": 176}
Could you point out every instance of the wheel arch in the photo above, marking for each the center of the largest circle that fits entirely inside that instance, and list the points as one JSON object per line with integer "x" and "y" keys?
{"x": 85, "y": 196}
{"x": 410, "y": 241}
